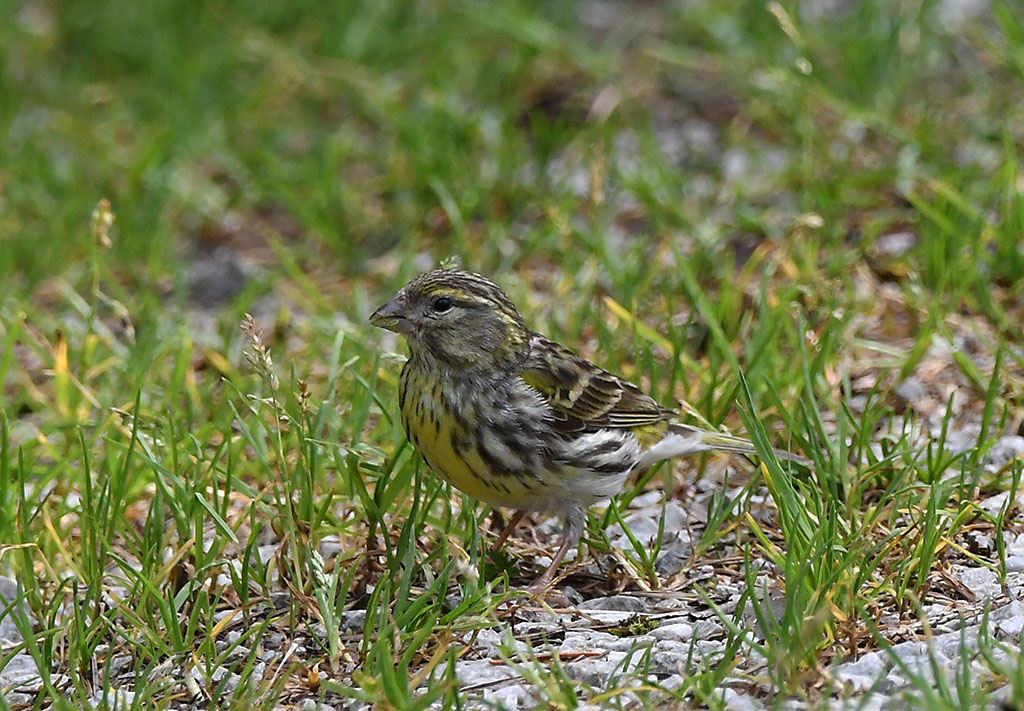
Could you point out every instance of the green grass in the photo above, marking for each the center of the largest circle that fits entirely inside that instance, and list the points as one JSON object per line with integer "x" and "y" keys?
{"x": 159, "y": 490}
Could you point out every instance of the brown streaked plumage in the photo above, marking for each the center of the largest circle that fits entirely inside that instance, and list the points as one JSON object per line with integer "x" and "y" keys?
{"x": 514, "y": 419}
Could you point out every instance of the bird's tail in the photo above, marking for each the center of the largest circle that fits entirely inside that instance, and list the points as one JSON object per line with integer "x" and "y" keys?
{"x": 682, "y": 440}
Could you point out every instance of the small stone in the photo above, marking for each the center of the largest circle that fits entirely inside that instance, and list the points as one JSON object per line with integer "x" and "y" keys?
{"x": 165, "y": 671}
{"x": 675, "y": 519}
{"x": 1015, "y": 564}
{"x": 735, "y": 701}
{"x": 895, "y": 243}
{"x": 120, "y": 664}
{"x": 625, "y": 603}
{"x": 675, "y": 553}
{"x": 1007, "y": 612}
{"x": 982, "y": 582}
{"x": 314, "y": 705}
{"x": 669, "y": 657}
{"x": 912, "y": 390}
{"x": 352, "y": 621}
{"x": 330, "y": 546}
{"x": 114, "y": 595}
{"x": 239, "y": 653}
{"x": 608, "y": 617}
{"x": 709, "y": 646}
{"x": 481, "y": 671}
{"x": 643, "y": 527}
{"x": 8, "y": 629}
{"x": 112, "y": 700}
{"x": 894, "y": 681}
{"x": 1011, "y": 627}
{"x": 957, "y": 643}
{"x": 1008, "y": 620}
{"x": 647, "y": 500}
{"x": 578, "y": 641}
{"x": 994, "y": 504}
{"x": 1015, "y": 585}
{"x": 1005, "y": 450}
{"x": 20, "y": 669}
{"x": 18, "y": 700}
{"x": 1014, "y": 542}
{"x": 705, "y": 629}
{"x": 920, "y": 661}
{"x": 509, "y": 697}
{"x": 774, "y": 607}
{"x": 674, "y": 682}
{"x": 724, "y": 591}
{"x": 489, "y": 641}
{"x": 958, "y": 441}
{"x": 596, "y": 672}
{"x": 573, "y": 596}
{"x": 495, "y": 642}
{"x": 679, "y": 632}
{"x": 979, "y": 544}
{"x": 910, "y": 652}
{"x": 863, "y": 673}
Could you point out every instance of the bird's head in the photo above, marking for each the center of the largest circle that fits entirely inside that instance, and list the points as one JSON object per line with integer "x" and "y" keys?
{"x": 462, "y": 320}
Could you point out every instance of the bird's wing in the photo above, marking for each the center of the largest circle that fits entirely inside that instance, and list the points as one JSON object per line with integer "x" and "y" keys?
{"x": 583, "y": 396}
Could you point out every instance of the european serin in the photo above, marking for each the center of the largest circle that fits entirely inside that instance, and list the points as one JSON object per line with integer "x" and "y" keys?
{"x": 514, "y": 419}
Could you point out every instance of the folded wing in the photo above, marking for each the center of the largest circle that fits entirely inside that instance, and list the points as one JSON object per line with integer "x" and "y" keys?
{"x": 583, "y": 396}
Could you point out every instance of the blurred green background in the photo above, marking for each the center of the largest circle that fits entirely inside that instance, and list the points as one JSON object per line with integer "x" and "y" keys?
{"x": 351, "y": 130}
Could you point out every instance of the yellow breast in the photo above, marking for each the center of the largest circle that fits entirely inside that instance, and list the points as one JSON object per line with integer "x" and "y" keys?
{"x": 454, "y": 455}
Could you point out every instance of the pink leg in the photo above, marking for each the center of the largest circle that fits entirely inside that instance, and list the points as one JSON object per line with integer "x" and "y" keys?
{"x": 507, "y": 531}
{"x": 548, "y": 575}
{"x": 575, "y": 519}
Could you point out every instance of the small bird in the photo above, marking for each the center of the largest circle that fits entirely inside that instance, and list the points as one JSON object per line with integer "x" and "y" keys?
{"x": 516, "y": 420}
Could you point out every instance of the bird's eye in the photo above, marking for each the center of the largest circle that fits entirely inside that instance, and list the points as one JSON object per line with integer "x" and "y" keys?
{"x": 442, "y": 304}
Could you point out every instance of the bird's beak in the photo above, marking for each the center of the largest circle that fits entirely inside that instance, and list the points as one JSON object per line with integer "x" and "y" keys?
{"x": 392, "y": 316}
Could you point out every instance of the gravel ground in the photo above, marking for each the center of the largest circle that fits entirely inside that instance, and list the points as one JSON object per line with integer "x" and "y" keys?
{"x": 604, "y": 640}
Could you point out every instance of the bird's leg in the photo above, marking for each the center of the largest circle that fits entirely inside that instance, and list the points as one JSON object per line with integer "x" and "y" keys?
{"x": 507, "y": 531}
{"x": 548, "y": 575}
{"x": 574, "y": 520}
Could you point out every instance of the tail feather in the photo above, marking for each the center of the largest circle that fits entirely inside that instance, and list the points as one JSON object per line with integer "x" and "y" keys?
{"x": 682, "y": 440}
